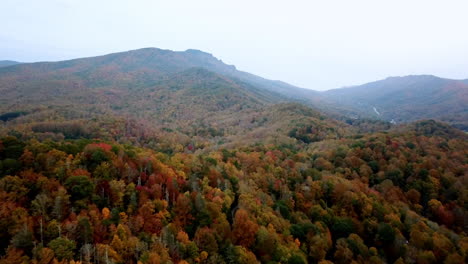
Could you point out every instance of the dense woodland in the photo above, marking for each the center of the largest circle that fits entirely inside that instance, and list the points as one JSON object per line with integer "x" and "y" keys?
{"x": 397, "y": 197}
{"x": 158, "y": 157}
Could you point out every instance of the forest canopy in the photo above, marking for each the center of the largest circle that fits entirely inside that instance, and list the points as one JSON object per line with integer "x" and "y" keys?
{"x": 396, "y": 197}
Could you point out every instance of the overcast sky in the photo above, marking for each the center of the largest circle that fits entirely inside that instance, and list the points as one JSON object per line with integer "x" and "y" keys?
{"x": 312, "y": 44}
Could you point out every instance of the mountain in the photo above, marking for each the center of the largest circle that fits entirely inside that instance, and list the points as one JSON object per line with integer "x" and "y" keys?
{"x": 126, "y": 74}
{"x": 152, "y": 93}
{"x": 405, "y": 99}
{"x": 163, "y": 91}
{"x": 119, "y": 75}
{"x": 5, "y": 63}
{"x": 132, "y": 69}
{"x": 145, "y": 66}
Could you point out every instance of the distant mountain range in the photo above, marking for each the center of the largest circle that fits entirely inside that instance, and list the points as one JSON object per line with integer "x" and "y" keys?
{"x": 170, "y": 86}
{"x": 404, "y": 99}
{"x": 4, "y": 63}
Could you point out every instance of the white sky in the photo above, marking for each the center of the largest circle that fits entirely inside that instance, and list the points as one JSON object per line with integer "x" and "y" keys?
{"x": 313, "y": 44}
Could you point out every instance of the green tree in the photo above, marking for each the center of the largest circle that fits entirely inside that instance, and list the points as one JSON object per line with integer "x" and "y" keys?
{"x": 63, "y": 248}
{"x": 385, "y": 233}
{"x": 342, "y": 227}
{"x": 23, "y": 240}
{"x": 80, "y": 187}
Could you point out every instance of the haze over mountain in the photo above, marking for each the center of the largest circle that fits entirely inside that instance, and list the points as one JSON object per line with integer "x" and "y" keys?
{"x": 408, "y": 98}
{"x": 300, "y": 43}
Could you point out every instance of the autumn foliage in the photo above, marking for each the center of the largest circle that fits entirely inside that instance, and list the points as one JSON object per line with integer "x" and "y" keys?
{"x": 396, "y": 197}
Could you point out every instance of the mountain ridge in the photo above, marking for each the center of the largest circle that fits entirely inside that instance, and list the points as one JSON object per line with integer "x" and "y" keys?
{"x": 6, "y": 63}
{"x": 176, "y": 97}
{"x": 408, "y": 98}
{"x": 415, "y": 96}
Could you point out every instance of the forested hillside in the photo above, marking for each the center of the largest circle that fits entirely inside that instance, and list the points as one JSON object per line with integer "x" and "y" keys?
{"x": 155, "y": 98}
{"x": 378, "y": 198}
{"x": 121, "y": 75}
{"x": 404, "y": 99}
{"x": 155, "y": 157}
